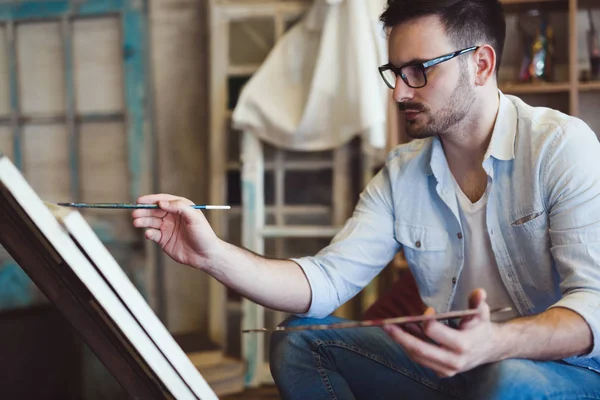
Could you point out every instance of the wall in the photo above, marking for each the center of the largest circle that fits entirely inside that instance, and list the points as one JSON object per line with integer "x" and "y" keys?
{"x": 179, "y": 55}
{"x": 179, "y": 48}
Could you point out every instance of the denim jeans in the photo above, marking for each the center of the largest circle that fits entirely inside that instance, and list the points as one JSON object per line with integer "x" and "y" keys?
{"x": 365, "y": 363}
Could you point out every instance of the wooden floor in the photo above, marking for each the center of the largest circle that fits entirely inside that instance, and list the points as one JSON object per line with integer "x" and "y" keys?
{"x": 263, "y": 393}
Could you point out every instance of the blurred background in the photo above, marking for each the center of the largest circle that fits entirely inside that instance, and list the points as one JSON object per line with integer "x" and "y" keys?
{"x": 239, "y": 102}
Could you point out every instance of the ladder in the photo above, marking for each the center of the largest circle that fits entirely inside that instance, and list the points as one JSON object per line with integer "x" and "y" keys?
{"x": 272, "y": 208}
{"x": 288, "y": 225}
{"x": 254, "y": 27}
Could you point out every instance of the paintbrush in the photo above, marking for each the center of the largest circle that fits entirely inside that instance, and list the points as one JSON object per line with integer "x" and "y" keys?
{"x": 379, "y": 322}
{"x": 129, "y": 206}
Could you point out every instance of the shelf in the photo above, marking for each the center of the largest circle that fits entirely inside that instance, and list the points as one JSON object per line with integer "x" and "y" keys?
{"x": 511, "y": 6}
{"x": 299, "y": 231}
{"x": 242, "y": 70}
{"x": 288, "y": 210}
{"x": 308, "y": 165}
{"x": 589, "y": 86}
{"x": 534, "y": 88}
{"x": 511, "y": 2}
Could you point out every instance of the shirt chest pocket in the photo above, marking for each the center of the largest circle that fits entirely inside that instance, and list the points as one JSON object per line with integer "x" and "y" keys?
{"x": 424, "y": 247}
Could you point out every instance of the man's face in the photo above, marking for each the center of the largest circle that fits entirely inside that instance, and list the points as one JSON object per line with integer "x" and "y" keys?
{"x": 439, "y": 106}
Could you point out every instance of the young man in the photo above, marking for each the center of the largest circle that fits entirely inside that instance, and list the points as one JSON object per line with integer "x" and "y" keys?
{"x": 495, "y": 204}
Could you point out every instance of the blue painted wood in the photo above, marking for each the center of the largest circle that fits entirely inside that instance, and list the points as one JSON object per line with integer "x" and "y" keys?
{"x": 134, "y": 53}
{"x": 133, "y": 15}
{"x": 25, "y": 10}
{"x": 16, "y": 289}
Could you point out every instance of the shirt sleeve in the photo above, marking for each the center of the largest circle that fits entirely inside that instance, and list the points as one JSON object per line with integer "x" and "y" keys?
{"x": 362, "y": 248}
{"x": 571, "y": 176}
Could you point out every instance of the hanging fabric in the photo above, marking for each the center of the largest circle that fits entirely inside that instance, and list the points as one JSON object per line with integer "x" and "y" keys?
{"x": 320, "y": 86}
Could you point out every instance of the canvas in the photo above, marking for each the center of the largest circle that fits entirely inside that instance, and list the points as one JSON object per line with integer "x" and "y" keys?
{"x": 67, "y": 261}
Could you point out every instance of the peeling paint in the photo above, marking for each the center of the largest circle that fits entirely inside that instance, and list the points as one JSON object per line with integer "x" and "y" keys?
{"x": 16, "y": 289}
{"x": 14, "y": 283}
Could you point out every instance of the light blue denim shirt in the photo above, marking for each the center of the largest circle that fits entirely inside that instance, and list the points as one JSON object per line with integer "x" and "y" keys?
{"x": 543, "y": 219}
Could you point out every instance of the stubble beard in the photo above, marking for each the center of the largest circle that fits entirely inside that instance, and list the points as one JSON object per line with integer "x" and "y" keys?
{"x": 455, "y": 111}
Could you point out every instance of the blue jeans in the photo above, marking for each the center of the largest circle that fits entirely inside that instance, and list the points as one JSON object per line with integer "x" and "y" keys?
{"x": 365, "y": 363}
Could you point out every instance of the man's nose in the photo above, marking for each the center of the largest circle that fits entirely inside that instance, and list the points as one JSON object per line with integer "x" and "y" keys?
{"x": 402, "y": 91}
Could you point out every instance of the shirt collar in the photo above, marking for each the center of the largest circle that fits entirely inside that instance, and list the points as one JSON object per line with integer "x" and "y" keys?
{"x": 502, "y": 143}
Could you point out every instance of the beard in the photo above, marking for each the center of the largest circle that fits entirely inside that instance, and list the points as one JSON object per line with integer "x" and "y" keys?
{"x": 458, "y": 106}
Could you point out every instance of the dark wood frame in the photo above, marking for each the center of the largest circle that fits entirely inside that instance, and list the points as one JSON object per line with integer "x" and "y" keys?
{"x": 46, "y": 268}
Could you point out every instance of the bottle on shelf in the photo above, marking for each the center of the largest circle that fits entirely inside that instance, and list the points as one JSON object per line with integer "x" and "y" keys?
{"x": 594, "y": 49}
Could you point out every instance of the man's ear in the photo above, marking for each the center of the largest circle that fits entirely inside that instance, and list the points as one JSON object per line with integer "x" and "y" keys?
{"x": 485, "y": 64}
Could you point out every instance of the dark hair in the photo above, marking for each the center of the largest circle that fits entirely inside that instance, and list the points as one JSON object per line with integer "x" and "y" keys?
{"x": 467, "y": 22}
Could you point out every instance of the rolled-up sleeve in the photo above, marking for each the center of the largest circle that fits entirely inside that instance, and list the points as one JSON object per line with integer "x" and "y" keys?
{"x": 362, "y": 248}
{"x": 572, "y": 178}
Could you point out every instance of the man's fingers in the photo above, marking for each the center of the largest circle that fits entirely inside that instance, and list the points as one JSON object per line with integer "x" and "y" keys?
{"x": 414, "y": 329}
{"x": 429, "y": 311}
{"x": 158, "y": 213}
{"x": 182, "y": 208}
{"x": 477, "y": 300}
{"x": 444, "y": 336}
{"x": 147, "y": 222}
{"x": 477, "y": 297}
{"x": 153, "y": 235}
{"x": 421, "y": 351}
{"x": 155, "y": 198}
{"x": 152, "y": 218}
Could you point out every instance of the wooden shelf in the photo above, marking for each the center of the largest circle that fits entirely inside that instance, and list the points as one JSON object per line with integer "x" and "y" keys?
{"x": 589, "y": 86}
{"x": 559, "y": 87}
{"x": 243, "y": 70}
{"x": 534, "y": 88}
{"x": 510, "y": 2}
{"x": 519, "y": 6}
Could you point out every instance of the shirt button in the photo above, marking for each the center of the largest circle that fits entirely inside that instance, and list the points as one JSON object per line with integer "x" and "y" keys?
{"x": 459, "y": 234}
{"x": 454, "y": 281}
{"x": 418, "y": 244}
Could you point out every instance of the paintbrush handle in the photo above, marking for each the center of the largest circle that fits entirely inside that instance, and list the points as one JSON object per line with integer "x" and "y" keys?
{"x": 378, "y": 322}
{"x": 134, "y": 206}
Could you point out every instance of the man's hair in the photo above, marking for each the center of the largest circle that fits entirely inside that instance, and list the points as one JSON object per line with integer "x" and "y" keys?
{"x": 467, "y": 22}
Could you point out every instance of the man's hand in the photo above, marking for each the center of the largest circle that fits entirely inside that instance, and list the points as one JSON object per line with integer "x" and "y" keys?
{"x": 186, "y": 236}
{"x": 181, "y": 231}
{"x": 455, "y": 350}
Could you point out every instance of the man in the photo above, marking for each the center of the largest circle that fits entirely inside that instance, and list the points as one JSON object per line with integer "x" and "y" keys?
{"x": 496, "y": 202}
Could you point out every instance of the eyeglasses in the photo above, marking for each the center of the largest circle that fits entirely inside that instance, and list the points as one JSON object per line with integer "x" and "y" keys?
{"x": 414, "y": 74}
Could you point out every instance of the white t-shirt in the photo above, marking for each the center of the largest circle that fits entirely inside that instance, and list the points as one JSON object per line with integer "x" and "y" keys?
{"x": 480, "y": 269}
